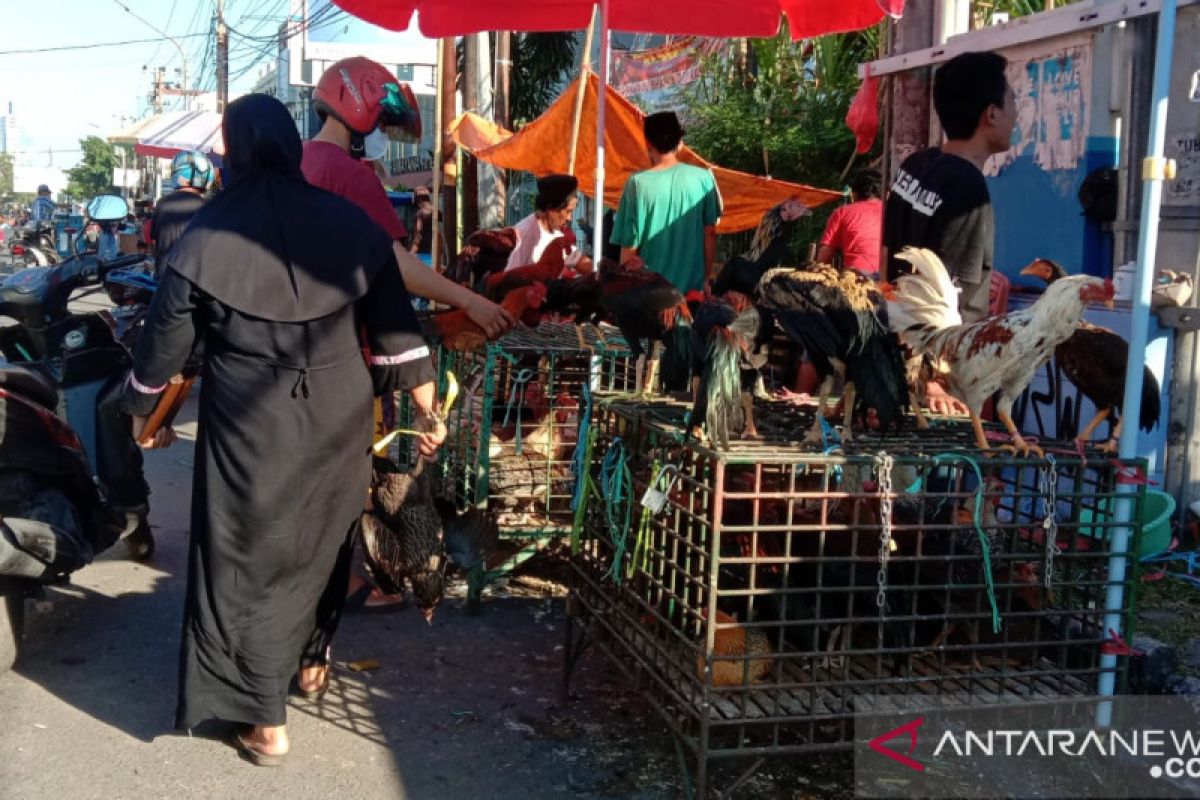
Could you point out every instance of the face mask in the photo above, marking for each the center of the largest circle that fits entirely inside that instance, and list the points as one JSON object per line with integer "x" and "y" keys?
{"x": 375, "y": 145}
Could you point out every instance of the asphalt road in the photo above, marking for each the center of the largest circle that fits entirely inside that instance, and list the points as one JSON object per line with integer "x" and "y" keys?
{"x": 465, "y": 708}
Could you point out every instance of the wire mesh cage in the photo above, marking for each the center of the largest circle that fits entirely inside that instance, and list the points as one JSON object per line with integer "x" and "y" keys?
{"x": 761, "y": 592}
{"x": 512, "y": 434}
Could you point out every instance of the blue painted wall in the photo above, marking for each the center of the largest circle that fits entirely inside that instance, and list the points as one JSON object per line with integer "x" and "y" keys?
{"x": 1038, "y": 215}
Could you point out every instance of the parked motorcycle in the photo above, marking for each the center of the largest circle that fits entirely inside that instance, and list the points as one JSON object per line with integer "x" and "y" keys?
{"x": 33, "y": 245}
{"x": 56, "y": 513}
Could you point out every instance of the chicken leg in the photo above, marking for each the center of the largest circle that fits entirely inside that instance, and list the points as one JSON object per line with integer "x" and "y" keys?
{"x": 1085, "y": 435}
{"x": 1018, "y": 446}
{"x": 749, "y": 431}
{"x": 1114, "y": 441}
{"x": 848, "y": 411}
{"x": 918, "y": 412}
{"x": 980, "y": 437}
{"x": 817, "y": 434}
{"x": 648, "y": 390}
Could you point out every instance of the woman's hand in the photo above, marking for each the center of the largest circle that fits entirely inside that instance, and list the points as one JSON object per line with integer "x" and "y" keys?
{"x": 163, "y": 437}
{"x": 433, "y": 434}
{"x": 494, "y": 320}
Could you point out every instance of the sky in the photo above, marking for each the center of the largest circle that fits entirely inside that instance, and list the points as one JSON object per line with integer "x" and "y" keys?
{"x": 60, "y": 97}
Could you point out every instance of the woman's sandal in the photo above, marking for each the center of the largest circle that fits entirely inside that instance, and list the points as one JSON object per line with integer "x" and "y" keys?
{"x": 360, "y": 601}
{"x": 257, "y": 757}
{"x": 319, "y": 692}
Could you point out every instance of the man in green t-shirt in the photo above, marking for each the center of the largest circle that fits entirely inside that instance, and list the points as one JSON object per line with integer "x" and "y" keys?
{"x": 668, "y": 213}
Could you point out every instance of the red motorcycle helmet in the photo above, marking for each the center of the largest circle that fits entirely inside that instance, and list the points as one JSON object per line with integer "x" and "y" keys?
{"x": 362, "y": 95}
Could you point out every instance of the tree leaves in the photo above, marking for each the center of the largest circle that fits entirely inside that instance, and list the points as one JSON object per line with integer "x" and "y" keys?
{"x": 94, "y": 173}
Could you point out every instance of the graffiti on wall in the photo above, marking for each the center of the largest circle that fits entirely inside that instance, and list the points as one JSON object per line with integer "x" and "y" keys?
{"x": 1053, "y": 89}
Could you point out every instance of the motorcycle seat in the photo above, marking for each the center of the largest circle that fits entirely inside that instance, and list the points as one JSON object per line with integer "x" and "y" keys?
{"x": 28, "y": 383}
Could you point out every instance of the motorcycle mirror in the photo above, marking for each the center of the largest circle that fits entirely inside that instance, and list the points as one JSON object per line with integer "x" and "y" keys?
{"x": 107, "y": 208}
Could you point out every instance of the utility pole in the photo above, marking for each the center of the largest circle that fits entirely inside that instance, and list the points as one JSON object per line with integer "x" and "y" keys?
{"x": 156, "y": 96}
{"x": 169, "y": 38}
{"x": 222, "y": 58}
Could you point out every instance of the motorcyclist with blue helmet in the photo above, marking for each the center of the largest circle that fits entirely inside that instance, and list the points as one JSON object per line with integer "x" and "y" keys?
{"x": 192, "y": 175}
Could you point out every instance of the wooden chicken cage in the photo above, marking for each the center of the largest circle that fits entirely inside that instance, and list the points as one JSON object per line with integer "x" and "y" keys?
{"x": 512, "y": 433}
{"x": 777, "y": 584}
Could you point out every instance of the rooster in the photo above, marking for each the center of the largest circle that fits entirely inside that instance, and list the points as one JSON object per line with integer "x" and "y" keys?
{"x": 548, "y": 267}
{"x": 483, "y": 253}
{"x": 840, "y": 318}
{"x": 728, "y": 333}
{"x": 646, "y": 306}
{"x": 730, "y": 642}
{"x": 409, "y": 535}
{"x": 742, "y": 273}
{"x": 1094, "y": 359}
{"x": 458, "y": 331}
{"x": 1001, "y": 354}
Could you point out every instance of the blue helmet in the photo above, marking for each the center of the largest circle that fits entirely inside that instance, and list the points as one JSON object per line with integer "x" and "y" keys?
{"x": 130, "y": 285}
{"x": 191, "y": 169}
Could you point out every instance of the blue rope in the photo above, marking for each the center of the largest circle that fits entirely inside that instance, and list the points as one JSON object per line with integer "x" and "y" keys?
{"x": 830, "y": 438}
{"x": 579, "y": 460}
{"x": 616, "y": 482}
{"x": 984, "y": 549}
{"x": 518, "y": 387}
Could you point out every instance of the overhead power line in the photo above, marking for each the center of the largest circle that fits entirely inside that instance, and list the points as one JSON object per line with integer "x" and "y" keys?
{"x": 93, "y": 45}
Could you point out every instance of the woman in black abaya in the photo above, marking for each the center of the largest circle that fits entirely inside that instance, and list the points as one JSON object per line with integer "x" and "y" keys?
{"x": 277, "y": 278}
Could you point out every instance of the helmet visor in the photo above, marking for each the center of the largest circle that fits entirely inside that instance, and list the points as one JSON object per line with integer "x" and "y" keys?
{"x": 401, "y": 118}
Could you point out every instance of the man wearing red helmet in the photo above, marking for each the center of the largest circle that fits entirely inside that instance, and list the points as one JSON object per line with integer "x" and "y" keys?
{"x": 353, "y": 98}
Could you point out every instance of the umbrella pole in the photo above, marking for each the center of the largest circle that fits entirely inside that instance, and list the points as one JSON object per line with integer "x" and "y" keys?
{"x": 1154, "y": 168}
{"x": 601, "y": 107}
{"x": 585, "y": 64}
{"x": 435, "y": 228}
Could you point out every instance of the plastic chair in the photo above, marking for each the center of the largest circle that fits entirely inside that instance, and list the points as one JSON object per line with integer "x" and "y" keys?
{"x": 998, "y": 294}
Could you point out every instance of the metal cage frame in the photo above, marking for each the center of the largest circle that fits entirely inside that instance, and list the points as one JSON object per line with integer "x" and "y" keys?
{"x": 877, "y": 543}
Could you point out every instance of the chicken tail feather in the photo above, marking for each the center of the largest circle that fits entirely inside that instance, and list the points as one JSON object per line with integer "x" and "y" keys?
{"x": 676, "y": 366}
{"x": 924, "y": 302}
{"x": 879, "y": 379}
{"x": 721, "y": 383}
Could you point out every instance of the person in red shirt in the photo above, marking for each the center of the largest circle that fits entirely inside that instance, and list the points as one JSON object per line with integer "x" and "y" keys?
{"x": 354, "y": 97}
{"x": 856, "y": 230}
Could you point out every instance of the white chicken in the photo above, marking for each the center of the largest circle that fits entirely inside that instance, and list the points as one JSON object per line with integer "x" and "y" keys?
{"x": 1000, "y": 354}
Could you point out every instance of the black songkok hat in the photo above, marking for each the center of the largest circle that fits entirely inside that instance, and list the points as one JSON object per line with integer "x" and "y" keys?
{"x": 554, "y": 191}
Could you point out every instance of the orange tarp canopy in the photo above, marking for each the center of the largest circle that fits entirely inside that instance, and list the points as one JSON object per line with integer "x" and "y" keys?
{"x": 543, "y": 146}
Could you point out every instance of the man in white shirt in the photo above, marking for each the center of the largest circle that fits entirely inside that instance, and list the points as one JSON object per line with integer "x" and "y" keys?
{"x": 555, "y": 204}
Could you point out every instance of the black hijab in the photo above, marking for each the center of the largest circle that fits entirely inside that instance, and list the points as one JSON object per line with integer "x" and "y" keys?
{"x": 270, "y": 245}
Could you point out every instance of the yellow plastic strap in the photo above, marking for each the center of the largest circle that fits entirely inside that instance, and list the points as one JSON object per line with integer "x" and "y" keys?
{"x": 380, "y": 447}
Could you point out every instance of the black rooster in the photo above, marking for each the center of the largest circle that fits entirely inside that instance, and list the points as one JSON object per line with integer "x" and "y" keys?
{"x": 646, "y": 306}
{"x": 727, "y": 339}
{"x": 409, "y": 535}
{"x": 839, "y": 317}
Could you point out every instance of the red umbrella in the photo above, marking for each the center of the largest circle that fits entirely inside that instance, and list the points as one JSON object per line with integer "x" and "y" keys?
{"x": 730, "y": 18}
{"x": 727, "y": 18}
